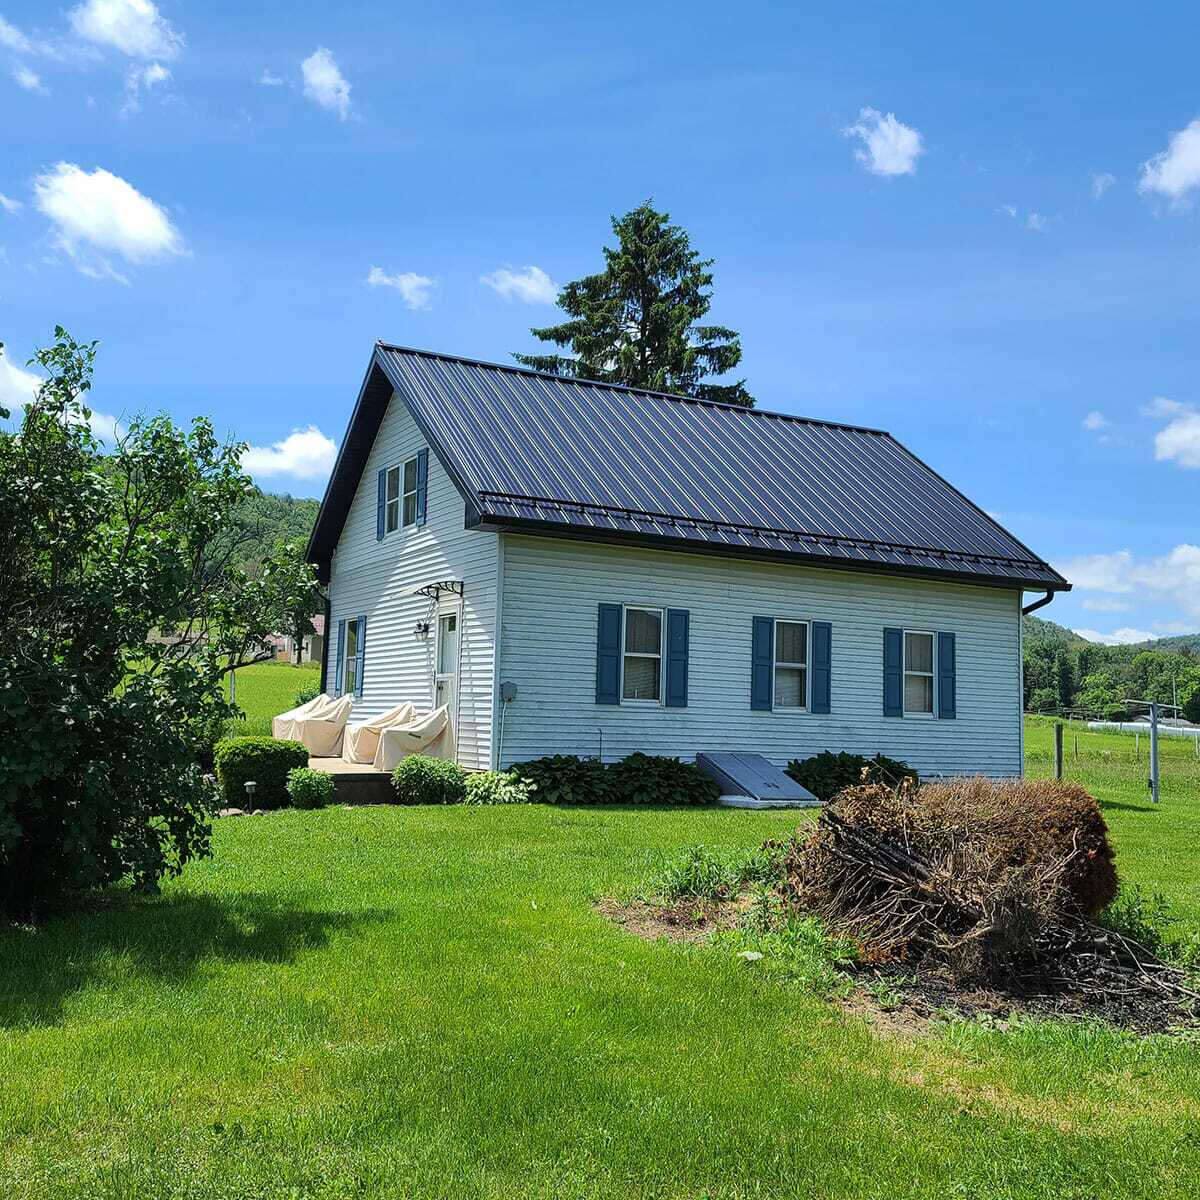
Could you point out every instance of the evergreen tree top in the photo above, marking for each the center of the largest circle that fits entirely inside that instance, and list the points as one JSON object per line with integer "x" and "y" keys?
{"x": 637, "y": 322}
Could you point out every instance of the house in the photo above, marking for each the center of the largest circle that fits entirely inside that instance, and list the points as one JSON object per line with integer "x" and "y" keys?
{"x": 582, "y": 568}
{"x": 311, "y": 648}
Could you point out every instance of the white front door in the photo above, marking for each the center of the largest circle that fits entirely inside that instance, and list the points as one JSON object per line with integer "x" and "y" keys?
{"x": 446, "y": 675}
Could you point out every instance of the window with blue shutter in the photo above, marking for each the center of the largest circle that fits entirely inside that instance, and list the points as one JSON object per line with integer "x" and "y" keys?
{"x": 608, "y": 654}
{"x": 893, "y": 673}
{"x": 822, "y": 666}
{"x": 422, "y": 484}
{"x": 380, "y": 505}
{"x": 339, "y": 654}
{"x": 677, "y": 658}
{"x": 762, "y": 663}
{"x": 947, "y": 699}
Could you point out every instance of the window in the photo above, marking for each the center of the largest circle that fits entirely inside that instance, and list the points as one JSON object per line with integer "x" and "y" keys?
{"x": 641, "y": 663}
{"x": 918, "y": 673}
{"x": 400, "y": 496}
{"x": 791, "y": 664}
{"x": 350, "y": 657}
{"x": 410, "y": 492}
{"x": 392, "y": 500}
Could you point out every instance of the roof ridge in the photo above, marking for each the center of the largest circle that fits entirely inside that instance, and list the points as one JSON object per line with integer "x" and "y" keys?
{"x": 623, "y": 387}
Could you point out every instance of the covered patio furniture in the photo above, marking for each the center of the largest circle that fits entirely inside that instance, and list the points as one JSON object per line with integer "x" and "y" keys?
{"x": 285, "y": 725}
{"x": 362, "y": 740}
{"x": 429, "y": 734}
{"x": 322, "y": 733}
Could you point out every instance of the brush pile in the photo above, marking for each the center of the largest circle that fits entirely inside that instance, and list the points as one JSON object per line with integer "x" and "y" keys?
{"x": 980, "y": 884}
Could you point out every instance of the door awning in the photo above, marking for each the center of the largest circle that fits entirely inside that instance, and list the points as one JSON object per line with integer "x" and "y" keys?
{"x": 433, "y": 589}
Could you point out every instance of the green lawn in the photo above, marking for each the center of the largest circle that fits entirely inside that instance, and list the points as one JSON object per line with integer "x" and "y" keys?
{"x": 421, "y": 1002}
{"x": 264, "y": 690}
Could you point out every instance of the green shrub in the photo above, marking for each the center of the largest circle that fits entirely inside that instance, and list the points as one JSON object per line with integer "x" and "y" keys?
{"x": 497, "y": 787}
{"x": 825, "y": 774}
{"x": 310, "y": 691}
{"x": 566, "y": 779}
{"x": 651, "y": 779}
{"x": 422, "y": 780}
{"x": 308, "y": 788}
{"x": 266, "y": 760}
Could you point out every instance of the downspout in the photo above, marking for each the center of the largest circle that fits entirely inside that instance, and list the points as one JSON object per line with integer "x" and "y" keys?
{"x": 1029, "y": 608}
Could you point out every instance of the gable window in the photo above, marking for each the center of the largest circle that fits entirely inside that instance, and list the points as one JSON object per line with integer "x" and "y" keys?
{"x": 642, "y": 655}
{"x": 400, "y": 498}
{"x": 918, "y": 673}
{"x": 791, "y": 664}
{"x": 393, "y": 500}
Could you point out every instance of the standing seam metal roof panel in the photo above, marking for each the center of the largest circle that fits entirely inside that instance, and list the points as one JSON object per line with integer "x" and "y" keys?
{"x": 601, "y": 459}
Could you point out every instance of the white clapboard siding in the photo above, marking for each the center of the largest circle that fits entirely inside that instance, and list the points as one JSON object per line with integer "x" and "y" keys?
{"x": 551, "y": 591}
{"x": 368, "y": 575}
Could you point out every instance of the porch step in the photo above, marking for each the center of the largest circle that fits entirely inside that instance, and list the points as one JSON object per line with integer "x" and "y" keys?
{"x": 356, "y": 783}
{"x": 752, "y": 781}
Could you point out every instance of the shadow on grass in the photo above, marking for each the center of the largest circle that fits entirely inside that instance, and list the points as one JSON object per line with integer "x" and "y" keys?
{"x": 120, "y": 937}
{"x": 1121, "y": 807}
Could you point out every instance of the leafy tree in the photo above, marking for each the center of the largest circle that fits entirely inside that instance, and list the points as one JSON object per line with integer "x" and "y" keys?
{"x": 1191, "y": 705}
{"x": 637, "y": 322}
{"x": 1100, "y": 695}
{"x": 99, "y": 725}
{"x": 1043, "y": 700}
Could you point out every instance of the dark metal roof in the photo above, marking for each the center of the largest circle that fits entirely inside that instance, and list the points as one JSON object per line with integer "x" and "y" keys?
{"x": 541, "y": 453}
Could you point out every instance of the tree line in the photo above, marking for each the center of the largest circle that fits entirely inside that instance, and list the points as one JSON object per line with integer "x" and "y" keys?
{"x": 1066, "y": 674}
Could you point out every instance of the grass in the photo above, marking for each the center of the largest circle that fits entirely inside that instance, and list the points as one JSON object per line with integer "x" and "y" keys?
{"x": 405, "y": 1002}
{"x": 264, "y": 690}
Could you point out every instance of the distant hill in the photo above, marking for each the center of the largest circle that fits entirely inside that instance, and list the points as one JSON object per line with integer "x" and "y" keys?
{"x": 1186, "y": 643}
{"x": 1048, "y": 633}
{"x": 265, "y": 518}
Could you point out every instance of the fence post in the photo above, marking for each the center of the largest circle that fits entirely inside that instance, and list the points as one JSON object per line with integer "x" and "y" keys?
{"x": 1058, "y": 750}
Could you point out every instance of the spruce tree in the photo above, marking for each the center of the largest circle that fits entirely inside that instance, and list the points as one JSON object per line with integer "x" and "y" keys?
{"x": 637, "y": 321}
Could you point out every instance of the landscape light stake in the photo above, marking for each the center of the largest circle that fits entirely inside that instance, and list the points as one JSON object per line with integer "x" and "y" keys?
{"x": 250, "y": 786}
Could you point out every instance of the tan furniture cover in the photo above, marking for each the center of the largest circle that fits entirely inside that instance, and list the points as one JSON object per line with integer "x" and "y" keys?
{"x": 429, "y": 734}
{"x": 285, "y": 725}
{"x": 322, "y": 733}
{"x": 362, "y": 740}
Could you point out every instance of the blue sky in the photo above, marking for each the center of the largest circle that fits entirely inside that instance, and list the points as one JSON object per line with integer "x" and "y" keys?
{"x": 977, "y": 228}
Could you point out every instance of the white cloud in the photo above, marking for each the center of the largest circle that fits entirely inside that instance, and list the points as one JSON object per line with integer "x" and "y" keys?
{"x": 269, "y": 80}
{"x": 533, "y": 285}
{"x": 413, "y": 288}
{"x": 13, "y": 39}
{"x": 31, "y": 81}
{"x": 1173, "y": 577}
{"x": 1105, "y": 604}
{"x": 1175, "y": 171}
{"x": 1118, "y": 637}
{"x": 10, "y": 206}
{"x": 1101, "y": 182}
{"x": 1179, "y": 439}
{"x": 889, "y": 146}
{"x": 135, "y": 27}
{"x": 139, "y": 80}
{"x": 1095, "y": 421}
{"x": 325, "y": 83}
{"x": 98, "y": 213}
{"x": 1035, "y": 222}
{"x": 304, "y": 454}
{"x": 17, "y": 386}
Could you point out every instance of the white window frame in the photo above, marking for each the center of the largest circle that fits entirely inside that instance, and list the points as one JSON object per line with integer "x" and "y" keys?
{"x": 806, "y": 665}
{"x": 393, "y": 506}
{"x": 662, "y": 653}
{"x": 930, "y": 674}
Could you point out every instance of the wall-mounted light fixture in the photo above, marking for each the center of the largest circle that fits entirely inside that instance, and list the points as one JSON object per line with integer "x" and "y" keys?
{"x": 422, "y": 629}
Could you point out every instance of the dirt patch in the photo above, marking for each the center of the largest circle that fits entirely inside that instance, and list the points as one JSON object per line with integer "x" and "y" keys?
{"x": 680, "y": 921}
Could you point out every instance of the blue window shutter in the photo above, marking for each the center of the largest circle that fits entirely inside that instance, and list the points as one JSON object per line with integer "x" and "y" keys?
{"x": 380, "y": 505}
{"x": 339, "y": 674}
{"x": 422, "y": 483}
{"x": 947, "y": 684}
{"x": 822, "y": 666}
{"x": 362, "y": 656}
{"x": 677, "y": 658}
{"x": 762, "y": 663}
{"x": 608, "y": 655}
{"x": 893, "y": 672}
